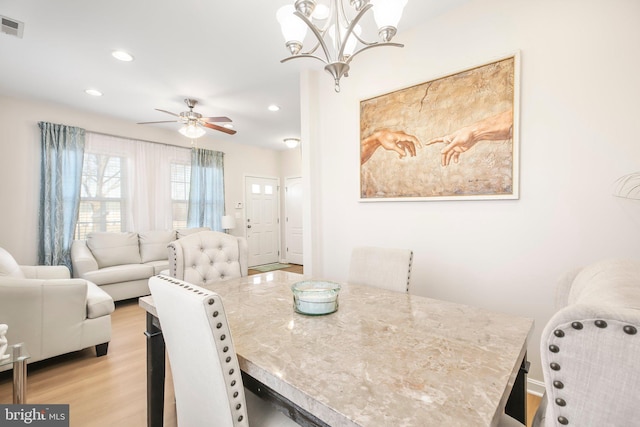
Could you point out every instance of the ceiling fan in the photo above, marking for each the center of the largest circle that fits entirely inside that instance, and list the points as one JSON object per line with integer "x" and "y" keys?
{"x": 192, "y": 120}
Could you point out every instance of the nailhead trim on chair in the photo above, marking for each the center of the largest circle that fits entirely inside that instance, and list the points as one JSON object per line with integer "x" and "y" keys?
{"x": 409, "y": 270}
{"x": 214, "y": 307}
{"x": 554, "y": 349}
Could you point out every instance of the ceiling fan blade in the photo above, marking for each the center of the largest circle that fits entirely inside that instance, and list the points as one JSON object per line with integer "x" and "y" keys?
{"x": 163, "y": 121}
{"x": 216, "y": 119}
{"x": 220, "y": 128}
{"x": 168, "y": 112}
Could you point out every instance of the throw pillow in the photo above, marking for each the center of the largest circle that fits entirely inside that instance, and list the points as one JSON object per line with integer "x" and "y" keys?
{"x": 111, "y": 249}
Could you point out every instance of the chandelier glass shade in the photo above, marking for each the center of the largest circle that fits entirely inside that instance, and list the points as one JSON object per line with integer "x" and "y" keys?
{"x": 192, "y": 130}
{"x": 337, "y": 33}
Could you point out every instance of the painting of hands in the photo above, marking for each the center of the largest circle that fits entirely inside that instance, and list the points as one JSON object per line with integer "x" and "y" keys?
{"x": 450, "y": 138}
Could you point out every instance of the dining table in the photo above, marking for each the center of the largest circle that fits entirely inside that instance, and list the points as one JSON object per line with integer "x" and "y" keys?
{"x": 384, "y": 358}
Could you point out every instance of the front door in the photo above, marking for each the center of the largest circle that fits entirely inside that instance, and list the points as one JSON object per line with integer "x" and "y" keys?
{"x": 262, "y": 224}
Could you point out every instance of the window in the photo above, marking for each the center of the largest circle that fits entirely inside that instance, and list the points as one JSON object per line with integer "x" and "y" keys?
{"x": 180, "y": 179}
{"x": 102, "y": 201}
{"x": 131, "y": 185}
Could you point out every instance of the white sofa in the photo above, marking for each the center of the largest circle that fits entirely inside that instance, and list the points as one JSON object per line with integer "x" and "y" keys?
{"x": 50, "y": 312}
{"x": 590, "y": 348}
{"x": 121, "y": 263}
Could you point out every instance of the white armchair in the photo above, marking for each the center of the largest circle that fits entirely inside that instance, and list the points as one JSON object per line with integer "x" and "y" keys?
{"x": 589, "y": 349}
{"x": 208, "y": 256}
{"x": 50, "y": 312}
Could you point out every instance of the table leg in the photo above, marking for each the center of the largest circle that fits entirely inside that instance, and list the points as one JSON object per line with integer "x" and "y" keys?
{"x": 20, "y": 382}
{"x": 155, "y": 372}
{"x": 517, "y": 403}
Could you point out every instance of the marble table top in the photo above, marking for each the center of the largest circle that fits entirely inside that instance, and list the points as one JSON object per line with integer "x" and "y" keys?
{"x": 383, "y": 359}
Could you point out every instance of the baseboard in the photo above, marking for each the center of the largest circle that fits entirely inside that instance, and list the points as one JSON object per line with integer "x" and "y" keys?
{"x": 535, "y": 387}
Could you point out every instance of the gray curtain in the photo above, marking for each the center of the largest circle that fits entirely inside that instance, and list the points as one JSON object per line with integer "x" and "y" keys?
{"x": 206, "y": 195}
{"x": 60, "y": 177}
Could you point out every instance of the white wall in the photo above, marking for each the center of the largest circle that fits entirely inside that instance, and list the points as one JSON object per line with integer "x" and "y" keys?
{"x": 579, "y": 108}
{"x": 20, "y": 164}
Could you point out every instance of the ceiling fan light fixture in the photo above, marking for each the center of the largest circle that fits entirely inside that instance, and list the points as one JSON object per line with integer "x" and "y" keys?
{"x": 192, "y": 130}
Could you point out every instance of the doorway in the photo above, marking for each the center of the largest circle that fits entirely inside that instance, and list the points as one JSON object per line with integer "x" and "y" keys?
{"x": 261, "y": 222}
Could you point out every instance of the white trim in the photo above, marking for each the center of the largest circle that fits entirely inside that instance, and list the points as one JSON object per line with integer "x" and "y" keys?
{"x": 535, "y": 387}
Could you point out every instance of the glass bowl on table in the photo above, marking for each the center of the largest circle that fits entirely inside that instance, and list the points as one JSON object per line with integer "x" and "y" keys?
{"x": 315, "y": 297}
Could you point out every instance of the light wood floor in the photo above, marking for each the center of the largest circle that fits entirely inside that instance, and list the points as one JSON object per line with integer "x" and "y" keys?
{"x": 111, "y": 390}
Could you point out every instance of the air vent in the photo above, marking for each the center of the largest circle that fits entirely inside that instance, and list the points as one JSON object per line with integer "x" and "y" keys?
{"x": 11, "y": 26}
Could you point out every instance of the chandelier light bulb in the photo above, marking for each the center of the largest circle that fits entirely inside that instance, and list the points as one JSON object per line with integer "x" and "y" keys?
{"x": 321, "y": 12}
{"x": 293, "y": 28}
{"x": 387, "y": 14}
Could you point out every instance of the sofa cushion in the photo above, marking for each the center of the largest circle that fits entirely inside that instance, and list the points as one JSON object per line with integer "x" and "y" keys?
{"x": 187, "y": 231}
{"x": 153, "y": 244}
{"x": 111, "y": 249}
{"x": 119, "y": 273}
{"x": 99, "y": 303}
{"x": 159, "y": 266}
{"x": 8, "y": 265}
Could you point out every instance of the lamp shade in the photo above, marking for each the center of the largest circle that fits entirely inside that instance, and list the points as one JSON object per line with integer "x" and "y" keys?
{"x": 228, "y": 222}
{"x": 293, "y": 28}
{"x": 192, "y": 130}
{"x": 387, "y": 13}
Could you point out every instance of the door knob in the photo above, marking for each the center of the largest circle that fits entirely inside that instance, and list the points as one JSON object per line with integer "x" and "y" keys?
{"x": 249, "y": 226}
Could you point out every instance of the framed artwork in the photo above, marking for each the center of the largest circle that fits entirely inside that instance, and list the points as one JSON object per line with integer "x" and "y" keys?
{"x": 452, "y": 138}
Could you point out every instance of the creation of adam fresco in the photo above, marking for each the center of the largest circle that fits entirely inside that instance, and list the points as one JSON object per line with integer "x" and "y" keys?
{"x": 450, "y": 138}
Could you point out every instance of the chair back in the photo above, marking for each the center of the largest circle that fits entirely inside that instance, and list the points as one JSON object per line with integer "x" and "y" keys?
{"x": 385, "y": 268}
{"x": 589, "y": 349}
{"x": 206, "y": 374}
{"x": 208, "y": 256}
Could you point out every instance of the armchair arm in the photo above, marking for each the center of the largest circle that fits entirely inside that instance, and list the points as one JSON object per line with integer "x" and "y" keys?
{"x": 46, "y": 314}
{"x": 563, "y": 287}
{"x": 45, "y": 271}
{"x": 82, "y": 260}
{"x": 589, "y": 348}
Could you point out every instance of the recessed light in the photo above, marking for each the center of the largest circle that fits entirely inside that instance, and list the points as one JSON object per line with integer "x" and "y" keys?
{"x": 228, "y": 126}
{"x": 93, "y": 92}
{"x": 122, "y": 55}
{"x": 273, "y": 107}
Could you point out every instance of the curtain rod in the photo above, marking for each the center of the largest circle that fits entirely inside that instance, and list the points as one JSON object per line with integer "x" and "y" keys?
{"x": 146, "y": 140}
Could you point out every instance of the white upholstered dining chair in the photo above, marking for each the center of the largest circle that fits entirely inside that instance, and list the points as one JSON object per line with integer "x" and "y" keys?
{"x": 206, "y": 375}
{"x": 208, "y": 256}
{"x": 386, "y": 268}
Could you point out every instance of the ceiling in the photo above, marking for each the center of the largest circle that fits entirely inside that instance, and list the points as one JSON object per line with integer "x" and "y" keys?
{"x": 226, "y": 54}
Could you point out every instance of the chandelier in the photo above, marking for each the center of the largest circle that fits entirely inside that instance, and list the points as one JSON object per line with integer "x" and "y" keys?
{"x": 337, "y": 34}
